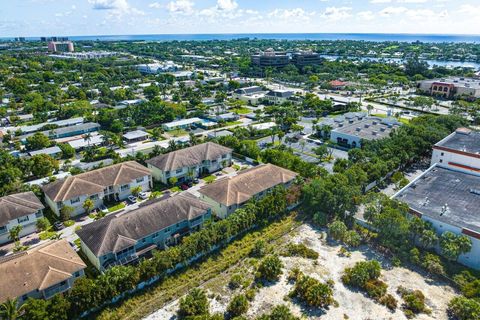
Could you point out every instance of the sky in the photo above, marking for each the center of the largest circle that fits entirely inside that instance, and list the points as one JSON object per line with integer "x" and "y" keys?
{"x": 118, "y": 17}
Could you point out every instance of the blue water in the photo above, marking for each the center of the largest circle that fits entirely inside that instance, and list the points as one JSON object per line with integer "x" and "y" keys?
{"x": 435, "y": 38}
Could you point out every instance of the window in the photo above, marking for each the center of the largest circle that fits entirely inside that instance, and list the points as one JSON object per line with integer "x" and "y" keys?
{"x": 179, "y": 170}
{"x": 214, "y": 161}
{"x": 140, "y": 179}
{"x": 124, "y": 187}
{"x": 442, "y": 154}
{"x": 167, "y": 173}
{"x": 39, "y": 214}
{"x": 143, "y": 240}
{"x": 224, "y": 156}
{"x": 3, "y": 229}
{"x": 22, "y": 219}
{"x": 441, "y": 160}
{"x": 24, "y": 297}
{"x": 75, "y": 200}
{"x": 94, "y": 197}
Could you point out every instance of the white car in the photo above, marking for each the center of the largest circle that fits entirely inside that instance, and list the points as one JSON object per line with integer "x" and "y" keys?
{"x": 143, "y": 195}
{"x": 132, "y": 199}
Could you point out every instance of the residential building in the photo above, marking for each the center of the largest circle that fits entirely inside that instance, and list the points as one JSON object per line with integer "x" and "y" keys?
{"x": 190, "y": 162}
{"x": 270, "y": 58}
{"x": 84, "y": 55}
{"x": 306, "y": 58}
{"x": 19, "y": 209}
{"x": 156, "y": 68}
{"x": 337, "y": 84}
{"x": 124, "y": 238}
{"x": 80, "y": 143}
{"x": 467, "y": 88}
{"x": 135, "y": 136}
{"x": 41, "y": 272}
{"x": 113, "y": 183}
{"x": 279, "y": 96}
{"x": 220, "y": 133}
{"x": 66, "y": 132}
{"x": 449, "y": 200}
{"x": 459, "y": 150}
{"x": 58, "y": 124}
{"x": 351, "y": 134}
{"x": 61, "y": 46}
{"x": 54, "y": 152}
{"x": 181, "y": 124}
{"x": 228, "y": 194}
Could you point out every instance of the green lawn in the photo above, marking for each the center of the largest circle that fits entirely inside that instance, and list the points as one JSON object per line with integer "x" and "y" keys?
{"x": 242, "y": 110}
{"x": 69, "y": 223}
{"x": 178, "y": 133}
{"x": 45, "y": 235}
{"x": 209, "y": 179}
{"x": 175, "y": 189}
{"x": 116, "y": 207}
{"x": 232, "y": 123}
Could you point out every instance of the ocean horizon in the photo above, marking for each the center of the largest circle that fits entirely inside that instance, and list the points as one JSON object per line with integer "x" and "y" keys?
{"x": 375, "y": 37}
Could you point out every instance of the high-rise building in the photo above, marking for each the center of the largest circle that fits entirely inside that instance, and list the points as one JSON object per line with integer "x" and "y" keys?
{"x": 270, "y": 58}
{"x": 61, "y": 46}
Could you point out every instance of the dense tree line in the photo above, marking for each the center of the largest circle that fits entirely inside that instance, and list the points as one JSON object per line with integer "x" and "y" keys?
{"x": 89, "y": 293}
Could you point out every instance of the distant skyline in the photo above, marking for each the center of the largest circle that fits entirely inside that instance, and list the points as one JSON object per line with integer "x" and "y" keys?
{"x": 118, "y": 17}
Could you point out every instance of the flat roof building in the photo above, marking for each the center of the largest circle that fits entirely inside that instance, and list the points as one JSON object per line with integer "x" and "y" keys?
{"x": 351, "y": 134}
{"x": 61, "y": 46}
{"x": 270, "y": 58}
{"x": 136, "y": 135}
{"x": 181, "y": 124}
{"x": 460, "y": 151}
{"x": 450, "y": 200}
{"x": 448, "y": 88}
{"x": 306, "y": 58}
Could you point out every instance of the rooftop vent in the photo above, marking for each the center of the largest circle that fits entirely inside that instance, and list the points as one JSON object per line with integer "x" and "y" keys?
{"x": 367, "y": 125}
{"x": 358, "y": 129}
{"x": 445, "y": 209}
{"x": 374, "y": 133}
{"x": 382, "y": 129}
{"x": 374, "y": 122}
{"x": 425, "y": 201}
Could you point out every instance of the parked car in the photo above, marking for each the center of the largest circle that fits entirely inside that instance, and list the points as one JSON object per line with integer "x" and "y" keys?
{"x": 189, "y": 184}
{"x": 196, "y": 180}
{"x": 143, "y": 195}
{"x": 103, "y": 208}
{"x": 132, "y": 199}
{"x": 58, "y": 225}
{"x": 184, "y": 187}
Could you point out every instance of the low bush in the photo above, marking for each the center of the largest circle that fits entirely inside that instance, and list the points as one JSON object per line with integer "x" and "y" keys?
{"x": 236, "y": 281}
{"x": 280, "y": 312}
{"x": 313, "y": 292}
{"x": 389, "y": 301}
{"x": 193, "y": 304}
{"x": 462, "y": 308}
{"x": 259, "y": 249}
{"x": 375, "y": 288}
{"x": 300, "y": 250}
{"x": 414, "y": 302}
{"x": 363, "y": 271}
{"x": 270, "y": 268}
{"x": 238, "y": 306}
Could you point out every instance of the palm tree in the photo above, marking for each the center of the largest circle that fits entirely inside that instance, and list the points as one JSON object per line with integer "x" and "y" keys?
{"x": 14, "y": 233}
{"x": 87, "y": 138}
{"x": 10, "y": 309}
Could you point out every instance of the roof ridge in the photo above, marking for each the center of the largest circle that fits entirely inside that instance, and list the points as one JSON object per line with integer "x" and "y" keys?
{"x": 105, "y": 234}
{"x": 40, "y": 250}
{"x": 118, "y": 173}
{"x": 64, "y": 183}
{"x": 6, "y": 199}
{"x": 50, "y": 269}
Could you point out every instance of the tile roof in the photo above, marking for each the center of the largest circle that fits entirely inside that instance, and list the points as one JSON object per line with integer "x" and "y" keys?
{"x": 18, "y": 205}
{"x": 189, "y": 157}
{"x": 240, "y": 188}
{"x": 116, "y": 232}
{"x": 38, "y": 268}
{"x": 94, "y": 181}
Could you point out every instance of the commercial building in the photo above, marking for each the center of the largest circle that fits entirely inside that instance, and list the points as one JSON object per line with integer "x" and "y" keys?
{"x": 270, "y": 58}
{"x": 450, "y": 201}
{"x": 252, "y": 95}
{"x": 306, "y": 58}
{"x": 60, "y": 46}
{"x": 371, "y": 128}
{"x": 190, "y": 162}
{"x": 41, "y": 272}
{"x": 84, "y": 55}
{"x": 113, "y": 183}
{"x": 459, "y": 150}
{"x": 228, "y": 194}
{"x": 467, "y": 88}
{"x": 19, "y": 209}
{"x": 156, "y": 68}
{"x": 279, "y": 96}
{"x": 124, "y": 238}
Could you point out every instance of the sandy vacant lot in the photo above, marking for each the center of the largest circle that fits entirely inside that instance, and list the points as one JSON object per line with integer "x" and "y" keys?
{"x": 330, "y": 265}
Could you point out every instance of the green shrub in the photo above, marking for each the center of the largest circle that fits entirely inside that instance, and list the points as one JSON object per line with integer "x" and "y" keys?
{"x": 361, "y": 273}
{"x": 313, "y": 292}
{"x": 270, "y": 268}
{"x": 236, "y": 281}
{"x": 194, "y": 303}
{"x": 433, "y": 264}
{"x": 414, "y": 302}
{"x": 352, "y": 238}
{"x": 376, "y": 288}
{"x": 300, "y": 250}
{"x": 462, "y": 308}
{"x": 389, "y": 301}
{"x": 259, "y": 249}
{"x": 280, "y": 312}
{"x": 238, "y": 305}
{"x": 337, "y": 230}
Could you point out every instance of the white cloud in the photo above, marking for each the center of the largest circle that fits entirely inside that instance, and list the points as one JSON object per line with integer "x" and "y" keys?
{"x": 181, "y": 7}
{"x": 227, "y": 5}
{"x": 366, "y": 15}
{"x": 116, "y": 8}
{"x": 389, "y": 11}
{"x": 286, "y": 14}
{"x": 380, "y": 1}
{"x": 337, "y": 13}
{"x": 155, "y": 5}
{"x": 470, "y": 9}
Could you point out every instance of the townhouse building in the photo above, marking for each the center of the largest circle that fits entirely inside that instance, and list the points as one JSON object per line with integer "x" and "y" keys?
{"x": 19, "y": 209}
{"x": 124, "y": 238}
{"x": 41, "y": 272}
{"x": 191, "y": 162}
{"x": 112, "y": 183}
{"x": 228, "y": 194}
